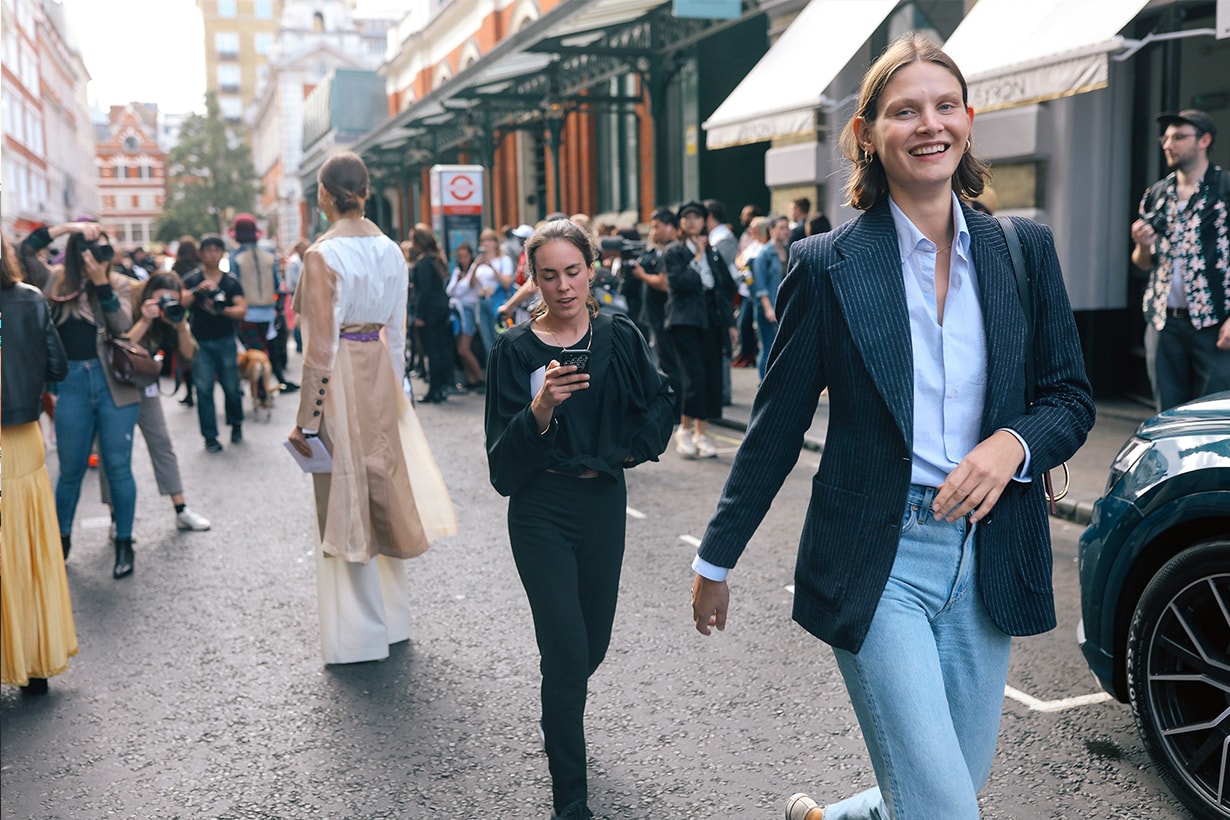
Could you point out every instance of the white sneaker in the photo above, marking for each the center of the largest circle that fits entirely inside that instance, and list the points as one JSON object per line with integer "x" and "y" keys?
{"x": 683, "y": 443}
{"x": 188, "y": 520}
{"x": 704, "y": 446}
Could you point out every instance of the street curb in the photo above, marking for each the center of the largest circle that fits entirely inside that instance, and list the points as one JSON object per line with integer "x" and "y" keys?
{"x": 1078, "y": 512}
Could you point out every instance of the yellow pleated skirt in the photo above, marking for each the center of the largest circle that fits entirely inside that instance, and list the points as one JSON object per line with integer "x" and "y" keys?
{"x": 37, "y": 635}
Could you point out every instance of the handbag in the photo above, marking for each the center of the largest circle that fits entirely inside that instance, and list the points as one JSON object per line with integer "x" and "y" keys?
{"x": 130, "y": 362}
{"x": 1023, "y": 292}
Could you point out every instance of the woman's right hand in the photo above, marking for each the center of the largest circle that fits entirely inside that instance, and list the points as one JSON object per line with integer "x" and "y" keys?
{"x": 562, "y": 380}
{"x": 97, "y": 271}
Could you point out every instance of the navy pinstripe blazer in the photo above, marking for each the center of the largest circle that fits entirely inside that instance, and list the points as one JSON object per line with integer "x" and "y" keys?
{"x": 843, "y": 325}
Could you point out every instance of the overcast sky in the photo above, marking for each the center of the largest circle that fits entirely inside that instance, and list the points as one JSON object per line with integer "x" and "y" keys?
{"x": 150, "y": 51}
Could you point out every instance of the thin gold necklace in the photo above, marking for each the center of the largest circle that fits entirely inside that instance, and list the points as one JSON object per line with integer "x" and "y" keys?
{"x": 588, "y": 332}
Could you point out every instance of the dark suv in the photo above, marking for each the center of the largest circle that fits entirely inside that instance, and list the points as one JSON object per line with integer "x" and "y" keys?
{"x": 1155, "y": 595}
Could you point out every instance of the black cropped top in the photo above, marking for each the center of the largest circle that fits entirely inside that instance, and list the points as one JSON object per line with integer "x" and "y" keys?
{"x": 623, "y": 419}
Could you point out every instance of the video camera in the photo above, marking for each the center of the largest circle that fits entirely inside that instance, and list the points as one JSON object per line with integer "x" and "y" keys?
{"x": 627, "y": 248}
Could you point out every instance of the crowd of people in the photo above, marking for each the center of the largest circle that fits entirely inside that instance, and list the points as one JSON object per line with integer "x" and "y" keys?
{"x": 595, "y": 349}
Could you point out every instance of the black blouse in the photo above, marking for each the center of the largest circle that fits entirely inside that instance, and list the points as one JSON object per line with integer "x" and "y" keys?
{"x": 623, "y": 419}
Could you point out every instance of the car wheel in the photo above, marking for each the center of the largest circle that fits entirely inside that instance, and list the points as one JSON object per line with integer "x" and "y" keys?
{"x": 1178, "y": 674}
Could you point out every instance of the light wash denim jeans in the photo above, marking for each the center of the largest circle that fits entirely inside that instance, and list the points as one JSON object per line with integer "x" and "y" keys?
{"x": 928, "y": 682}
{"x": 84, "y": 408}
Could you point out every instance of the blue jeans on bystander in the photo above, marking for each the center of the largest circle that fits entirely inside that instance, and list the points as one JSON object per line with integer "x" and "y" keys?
{"x": 217, "y": 358}
{"x": 84, "y": 409}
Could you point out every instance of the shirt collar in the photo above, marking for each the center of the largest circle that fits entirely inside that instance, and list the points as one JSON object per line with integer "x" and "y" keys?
{"x": 910, "y": 239}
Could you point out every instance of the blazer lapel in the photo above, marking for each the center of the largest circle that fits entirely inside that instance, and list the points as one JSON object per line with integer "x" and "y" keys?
{"x": 1003, "y": 320}
{"x": 871, "y": 292}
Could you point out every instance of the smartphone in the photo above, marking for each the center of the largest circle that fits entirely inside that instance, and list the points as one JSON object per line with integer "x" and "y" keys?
{"x": 575, "y": 356}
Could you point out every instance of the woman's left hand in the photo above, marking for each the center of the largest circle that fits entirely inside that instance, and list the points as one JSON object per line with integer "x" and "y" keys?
{"x": 150, "y": 309}
{"x": 976, "y": 484}
{"x": 299, "y": 442}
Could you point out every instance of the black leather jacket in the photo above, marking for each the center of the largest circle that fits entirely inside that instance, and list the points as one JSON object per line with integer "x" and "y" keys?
{"x": 36, "y": 355}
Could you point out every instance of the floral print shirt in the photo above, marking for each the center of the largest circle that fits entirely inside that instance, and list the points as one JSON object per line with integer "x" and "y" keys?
{"x": 1195, "y": 238}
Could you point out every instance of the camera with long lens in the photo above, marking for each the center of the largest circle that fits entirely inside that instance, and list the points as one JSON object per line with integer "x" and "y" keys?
{"x": 100, "y": 251}
{"x": 628, "y": 248}
{"x": 171, "y": 309}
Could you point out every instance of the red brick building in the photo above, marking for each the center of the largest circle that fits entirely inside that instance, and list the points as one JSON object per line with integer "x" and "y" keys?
{"x": 132, "y": 181}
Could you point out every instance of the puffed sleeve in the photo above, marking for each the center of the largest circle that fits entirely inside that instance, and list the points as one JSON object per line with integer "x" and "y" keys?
{"x": 647, "y": 393}
{"x": 516, "y": 449}
{"x": 315, "y": 300}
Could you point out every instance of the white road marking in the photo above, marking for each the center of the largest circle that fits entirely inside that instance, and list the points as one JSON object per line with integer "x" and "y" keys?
{"x": 790, "y": 588}
{"x": 1054, "y": 705}
{"x": 98, "y": 522}
{"x": 690, "y": 539}
{"x": 635, "y": 513}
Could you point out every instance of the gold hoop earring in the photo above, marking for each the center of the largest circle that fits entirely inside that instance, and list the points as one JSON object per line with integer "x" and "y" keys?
{"x": 969, "y": 145}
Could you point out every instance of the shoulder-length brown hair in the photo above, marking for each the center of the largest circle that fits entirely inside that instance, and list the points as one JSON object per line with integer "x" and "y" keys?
{"x": 868, "y": 184}
{"x": 568, "y": 231}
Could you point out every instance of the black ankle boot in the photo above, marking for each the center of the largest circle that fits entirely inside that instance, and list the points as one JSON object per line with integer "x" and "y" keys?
{"x": 123, "y": 558}
{"x": 66, "y": 544}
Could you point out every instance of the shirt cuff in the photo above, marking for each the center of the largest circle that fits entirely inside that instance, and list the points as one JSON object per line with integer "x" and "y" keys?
{"x": 1022, "y": 475}
{"x": 706, "y": 570}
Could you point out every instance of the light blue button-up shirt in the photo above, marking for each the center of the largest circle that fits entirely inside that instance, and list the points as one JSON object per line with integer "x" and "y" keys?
{"x": 950, "y": 359}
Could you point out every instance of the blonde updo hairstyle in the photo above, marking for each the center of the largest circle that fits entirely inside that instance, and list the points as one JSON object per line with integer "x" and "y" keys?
{"x": 344, "y": 176}
{"x": 568, "y": 231}
{"x": 868, "y": 184}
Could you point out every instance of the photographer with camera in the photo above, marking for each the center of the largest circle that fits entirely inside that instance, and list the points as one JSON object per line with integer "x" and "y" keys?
{"x": 217, "y": 303}
{"x": 162, "y": 325}
{"x": 87, "y": 297}
{"x": 648, "y": 269}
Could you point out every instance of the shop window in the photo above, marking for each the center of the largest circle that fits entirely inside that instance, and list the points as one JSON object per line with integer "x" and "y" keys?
{"x": 226, "y": 8}
{"x": 1019, "y": 185}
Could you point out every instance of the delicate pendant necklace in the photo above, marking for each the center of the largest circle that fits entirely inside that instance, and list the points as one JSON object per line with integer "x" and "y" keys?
{"x": 588, "y": 332}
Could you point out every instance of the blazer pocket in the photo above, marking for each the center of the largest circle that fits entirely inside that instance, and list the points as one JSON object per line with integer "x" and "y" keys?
{"x": 830, "y": 544}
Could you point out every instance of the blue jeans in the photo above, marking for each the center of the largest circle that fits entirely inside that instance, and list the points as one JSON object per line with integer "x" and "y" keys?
{"x": 217, "y": 358}
{"x": 768, "y": 332}
{"x": 85, "y": 408}
{"x": 928, "y": 682}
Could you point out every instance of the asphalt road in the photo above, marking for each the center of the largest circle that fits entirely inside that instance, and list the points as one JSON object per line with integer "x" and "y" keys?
{"x": 199, "y": 691}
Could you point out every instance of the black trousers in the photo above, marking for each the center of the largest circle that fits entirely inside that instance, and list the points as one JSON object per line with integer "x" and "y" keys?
{"x": 567, "y": 538}
{"x": 437, "y": 339}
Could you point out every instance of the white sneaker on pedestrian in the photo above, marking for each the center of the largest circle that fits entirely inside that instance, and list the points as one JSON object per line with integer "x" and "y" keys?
{"x": 684, "y": 445}
{"x": 704, "y": 446}
{"x": 189, "y": 520}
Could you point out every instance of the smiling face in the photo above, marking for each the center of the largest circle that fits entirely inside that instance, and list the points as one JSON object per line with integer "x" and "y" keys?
{"x": 563, "y": 279}
{"x": 920, "y": 129}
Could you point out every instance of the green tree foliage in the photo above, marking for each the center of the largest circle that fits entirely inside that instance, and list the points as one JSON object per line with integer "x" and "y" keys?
{"x": 209, "y": 176}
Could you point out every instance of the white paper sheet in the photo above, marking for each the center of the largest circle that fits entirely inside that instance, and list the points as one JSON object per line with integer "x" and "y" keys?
{"x": 320, "y": 460}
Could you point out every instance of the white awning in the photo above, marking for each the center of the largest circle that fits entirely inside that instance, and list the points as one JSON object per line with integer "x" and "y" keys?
{"x": 780, "y": 94}
{"x": 1014, "y": 53}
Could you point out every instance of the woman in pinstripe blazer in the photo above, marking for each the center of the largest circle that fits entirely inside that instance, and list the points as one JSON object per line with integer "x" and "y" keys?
{"x": 926, "y": 542}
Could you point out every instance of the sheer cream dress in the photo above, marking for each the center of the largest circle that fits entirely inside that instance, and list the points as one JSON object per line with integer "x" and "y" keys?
{"x": 385, "y": 498}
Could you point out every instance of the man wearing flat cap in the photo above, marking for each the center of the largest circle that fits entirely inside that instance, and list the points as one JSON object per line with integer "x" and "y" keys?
{"x": 1181, "y": 241}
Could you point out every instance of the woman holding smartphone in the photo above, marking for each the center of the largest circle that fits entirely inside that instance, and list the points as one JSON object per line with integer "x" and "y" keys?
{"x": 559, "y": 437}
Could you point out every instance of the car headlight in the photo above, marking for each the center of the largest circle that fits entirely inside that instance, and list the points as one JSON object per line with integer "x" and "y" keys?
{"x": 1129, "y": 455}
